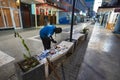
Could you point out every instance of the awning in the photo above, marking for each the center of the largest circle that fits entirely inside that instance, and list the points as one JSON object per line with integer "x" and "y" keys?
{"x": 105, "y": 10}
{"x": 40, "y": 1}
{"x": 46, "y": 5}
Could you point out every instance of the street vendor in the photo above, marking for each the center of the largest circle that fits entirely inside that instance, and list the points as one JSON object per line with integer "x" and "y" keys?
{"x": 46, "y": 35}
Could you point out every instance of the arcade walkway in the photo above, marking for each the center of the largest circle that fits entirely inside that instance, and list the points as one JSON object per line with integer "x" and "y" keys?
{"x": 102, "y": 57}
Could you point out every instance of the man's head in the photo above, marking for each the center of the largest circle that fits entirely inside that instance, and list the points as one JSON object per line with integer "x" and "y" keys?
{"x": 58, "y": 30}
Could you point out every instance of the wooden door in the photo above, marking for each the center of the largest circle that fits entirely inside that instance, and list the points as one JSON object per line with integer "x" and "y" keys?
{"x": 27, "y": 18}
{"x": 7, "y": 17}
{"x": 1, "y": 19}
{"x": 16, "y": 18}
{"x": 49, "y": 15}
{"x": 54, "y": 19}
{"x": 26, "y": 15}
{"x": 42, "y": 19}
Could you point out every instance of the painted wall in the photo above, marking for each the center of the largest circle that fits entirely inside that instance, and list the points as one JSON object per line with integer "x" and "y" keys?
{"x": 117, "y": 26}
{"x": 64, "y": 18}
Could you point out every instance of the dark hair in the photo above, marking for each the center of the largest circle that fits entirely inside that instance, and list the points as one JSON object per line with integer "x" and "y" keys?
{"x": 58, "y": 30}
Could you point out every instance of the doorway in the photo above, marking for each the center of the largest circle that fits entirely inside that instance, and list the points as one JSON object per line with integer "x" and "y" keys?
{"x": 9, "y": 18}
{"x": 16, "y": 18}
{"x": 5, "y": 18}
{"x": 26, "y": 15}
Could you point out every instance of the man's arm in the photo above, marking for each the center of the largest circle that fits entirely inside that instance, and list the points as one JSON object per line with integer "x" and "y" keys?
{"x": 51, "y": 38}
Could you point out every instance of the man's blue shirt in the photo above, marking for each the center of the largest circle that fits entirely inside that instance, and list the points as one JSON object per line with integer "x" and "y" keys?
{"x": 47, "y": 31}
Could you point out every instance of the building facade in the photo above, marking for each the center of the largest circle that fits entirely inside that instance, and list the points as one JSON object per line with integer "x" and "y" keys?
{"x": 110, "y": 12}
{"x": 16, "y": 14}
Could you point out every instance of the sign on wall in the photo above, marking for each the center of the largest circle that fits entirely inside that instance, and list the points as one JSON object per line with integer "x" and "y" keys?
{"x": 33, "y": 8}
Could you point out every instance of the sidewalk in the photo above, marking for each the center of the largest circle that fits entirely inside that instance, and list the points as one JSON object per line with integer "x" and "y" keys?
{"x": 102, "y": 57}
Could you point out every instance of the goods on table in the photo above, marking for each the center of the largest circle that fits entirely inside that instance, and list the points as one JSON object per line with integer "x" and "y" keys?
{"x": 56, "y": 50}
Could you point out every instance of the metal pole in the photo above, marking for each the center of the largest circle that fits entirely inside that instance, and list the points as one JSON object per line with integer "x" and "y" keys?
{"x": 71, "y": 30}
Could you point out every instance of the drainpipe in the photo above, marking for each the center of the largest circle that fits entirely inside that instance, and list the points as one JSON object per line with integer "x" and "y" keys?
{"x": 71, "y": 30}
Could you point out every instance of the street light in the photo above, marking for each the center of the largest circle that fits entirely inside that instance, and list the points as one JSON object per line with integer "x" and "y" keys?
{"x": 71, "y": 30}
